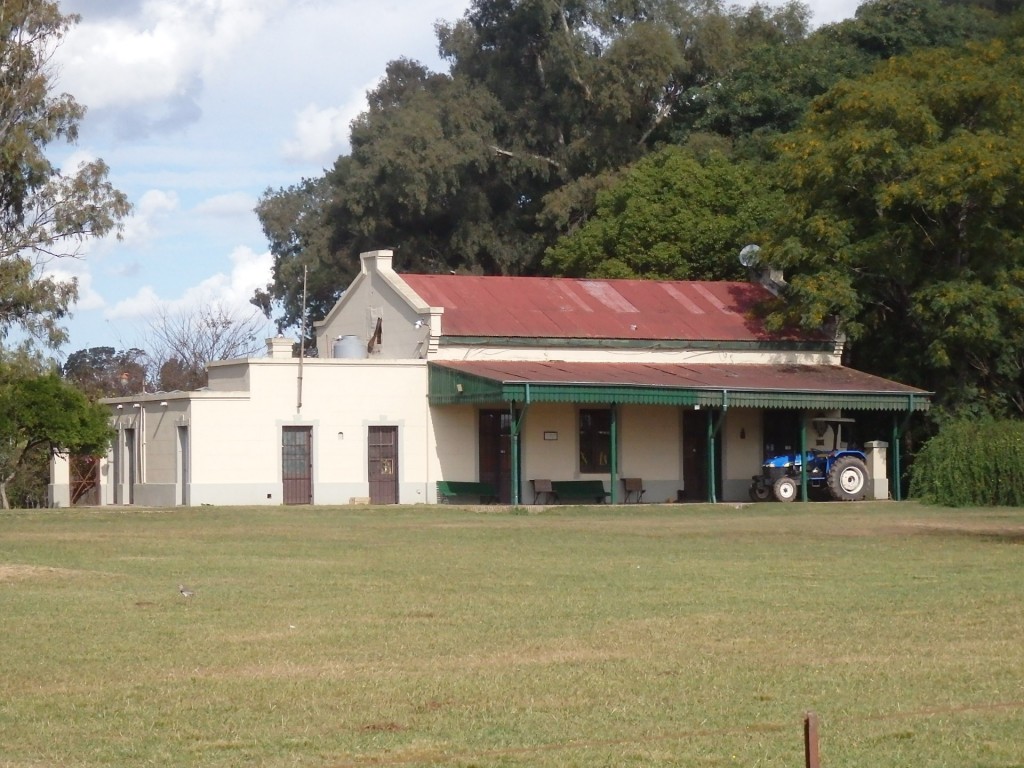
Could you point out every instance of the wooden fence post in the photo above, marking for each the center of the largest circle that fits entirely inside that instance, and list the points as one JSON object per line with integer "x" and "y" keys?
{"x": 811, "y": 755}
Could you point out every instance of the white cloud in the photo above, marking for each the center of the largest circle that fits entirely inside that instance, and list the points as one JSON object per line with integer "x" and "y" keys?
{"x": 249, "y": 271}
{"x": 231, "y": 289}
{"x": 228, "y": 205}
{"x": 152, "y": 209}
{"x": 157, "y": 201}
{"x": 88, "y": 297}
{"x": 141, "y": 305}
{"x": 66, "y": 270}
{"x": 321, "y": 134}
{"x": 76, "y": 160}
{"x": 157, "y": 60}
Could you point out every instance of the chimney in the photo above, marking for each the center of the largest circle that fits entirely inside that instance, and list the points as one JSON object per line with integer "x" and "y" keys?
{"x": 279, "y": 348}
{"x": 772, "y": 279}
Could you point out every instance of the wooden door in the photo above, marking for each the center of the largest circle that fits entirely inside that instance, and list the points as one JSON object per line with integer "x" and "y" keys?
{"x": 382, "y": 465}
{"x": 183, "y": 478}
{"x": 495, "y": 441}
{"x": 130, "y": 466}
{"x": 695, "y": 456}
{"x": 297, "y": 465}
{"x": 85, "y": 479}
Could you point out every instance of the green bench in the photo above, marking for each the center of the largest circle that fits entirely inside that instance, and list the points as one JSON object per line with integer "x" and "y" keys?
{"x": 579, "y": 490}
{"x": 447, "y": 490}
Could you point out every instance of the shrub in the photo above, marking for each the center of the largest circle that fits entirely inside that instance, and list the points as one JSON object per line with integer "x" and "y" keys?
{"x": 972, "y": 463}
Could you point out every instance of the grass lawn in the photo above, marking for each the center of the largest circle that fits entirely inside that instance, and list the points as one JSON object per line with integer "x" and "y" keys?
{"x": 617, "y": 636}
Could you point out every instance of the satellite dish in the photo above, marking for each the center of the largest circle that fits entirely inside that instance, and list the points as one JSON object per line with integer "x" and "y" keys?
{"x": 748, "y": 255}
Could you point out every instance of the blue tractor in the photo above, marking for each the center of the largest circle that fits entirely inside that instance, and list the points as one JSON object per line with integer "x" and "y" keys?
{"x": 841, "y": 473}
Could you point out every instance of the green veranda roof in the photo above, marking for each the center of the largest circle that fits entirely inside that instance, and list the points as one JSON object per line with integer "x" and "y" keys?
{"x": 782, "y": 386}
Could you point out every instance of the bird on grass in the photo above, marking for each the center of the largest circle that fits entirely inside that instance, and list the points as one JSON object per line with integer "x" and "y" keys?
{"x": 185, "y": 591}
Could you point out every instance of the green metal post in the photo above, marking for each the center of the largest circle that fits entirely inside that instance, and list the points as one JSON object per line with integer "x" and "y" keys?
{"x": 614, "y": 452}
{"x": 712, "y": 495}
{"x": 803, "y": 457}
{"x": 714, "y": 427}
{"x": 514, "y": 447}
{"x": 515, "y": 428}
{"x": 897, "y": 438}
{"x": 897, "y": 489}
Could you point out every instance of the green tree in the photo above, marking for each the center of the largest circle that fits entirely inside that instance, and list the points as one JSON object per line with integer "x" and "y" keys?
{"x": 481, "y": 169}
{"x": 43, "y": 414}
{"x": 670, "y": 216}
{"x": 44, "y": 213}
{"x": 106, "y": 372}
{"x": 423, "y": 177}
{"x": 432, "y": 178}
{"x": 296, "y": 224}
{"x": 886, "y": 28}
{"x": 769, "y": 86}
{"x": 904, "y": 221}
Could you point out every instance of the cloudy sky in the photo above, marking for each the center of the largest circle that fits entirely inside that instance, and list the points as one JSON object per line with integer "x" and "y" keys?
{"x": 198, "y": 106}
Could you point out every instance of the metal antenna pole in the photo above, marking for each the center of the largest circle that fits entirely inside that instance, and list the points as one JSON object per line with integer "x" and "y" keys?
{"x": 302, "y": 339}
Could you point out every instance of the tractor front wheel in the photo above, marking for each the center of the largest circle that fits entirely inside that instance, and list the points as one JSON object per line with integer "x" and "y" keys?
{"x": 785, "y": 488}
{"x": 848, "y": 479}
{"x": 759, "y": 492}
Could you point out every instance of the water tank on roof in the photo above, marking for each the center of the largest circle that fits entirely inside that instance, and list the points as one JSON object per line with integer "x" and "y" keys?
{"x": 348, "y": 348}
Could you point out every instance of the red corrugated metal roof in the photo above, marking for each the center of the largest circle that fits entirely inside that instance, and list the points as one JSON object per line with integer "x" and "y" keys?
{"x": 567, "y": 308}
{"x": 781, "y": 378}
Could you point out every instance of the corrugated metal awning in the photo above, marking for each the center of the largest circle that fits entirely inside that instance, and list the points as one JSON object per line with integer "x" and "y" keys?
{"x": 706, "y": 385}
{"x": 499, "y": 307}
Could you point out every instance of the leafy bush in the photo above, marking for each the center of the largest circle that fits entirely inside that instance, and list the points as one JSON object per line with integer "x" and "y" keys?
{"x": 27, "y": 489}
{"x": 972, "y": 463}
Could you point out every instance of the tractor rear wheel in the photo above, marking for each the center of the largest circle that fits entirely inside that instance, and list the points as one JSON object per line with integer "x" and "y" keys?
{"x": 785, "y": 488}
{"x": 848, "y": 479}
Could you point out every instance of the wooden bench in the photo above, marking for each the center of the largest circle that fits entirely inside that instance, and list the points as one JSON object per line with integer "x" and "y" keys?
{"x": 578, "y": 490}
{"x": 447, "y": 490}
{"x": 543, "y": 488}
{"x": 633, "y": 485}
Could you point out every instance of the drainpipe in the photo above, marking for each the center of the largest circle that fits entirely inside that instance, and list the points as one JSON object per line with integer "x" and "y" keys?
{"x": 140, "y": 463}
{"x": 302, "y": 345}
{"x": 428, "y": 428}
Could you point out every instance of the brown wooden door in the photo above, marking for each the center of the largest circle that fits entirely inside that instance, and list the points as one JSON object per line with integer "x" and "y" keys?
{"x": 382, "y": 452}
{"x": 495, "y": 436}
{"x": 183, "y": 466}
{"x": 130, "y": 465}
{"x": 85, "y": 479}
{"x": 695, "y": 456}
{"x": 297, "y": 464}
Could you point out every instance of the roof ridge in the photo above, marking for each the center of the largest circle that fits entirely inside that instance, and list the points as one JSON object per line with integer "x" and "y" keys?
{"x": 415, "y": 275}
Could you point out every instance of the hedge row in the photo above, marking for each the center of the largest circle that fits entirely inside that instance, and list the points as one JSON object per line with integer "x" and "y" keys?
{"x": 972, "y": 463}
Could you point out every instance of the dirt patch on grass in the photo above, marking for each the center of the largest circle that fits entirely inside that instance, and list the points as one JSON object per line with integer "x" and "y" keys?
{"x": 336, "y": 668}
{"x": 1002, "y": 534}
{"x": 388, "y": 726}
{"x": 9, "y": 572}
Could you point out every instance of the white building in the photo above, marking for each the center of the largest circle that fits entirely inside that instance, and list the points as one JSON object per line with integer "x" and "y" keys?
{"x": 423, "y": 378}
